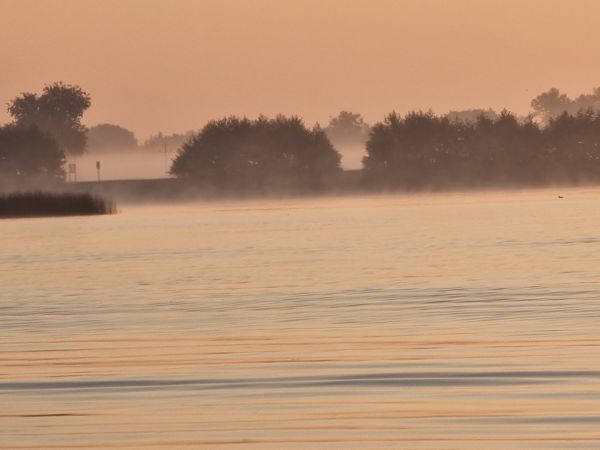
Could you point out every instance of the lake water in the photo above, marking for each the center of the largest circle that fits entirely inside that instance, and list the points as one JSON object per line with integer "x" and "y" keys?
{"x": 450, "y": 321}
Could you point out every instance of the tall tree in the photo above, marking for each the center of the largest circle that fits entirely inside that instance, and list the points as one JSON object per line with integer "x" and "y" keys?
{"x": 572, "y": 144}
{"x": 107, "y": 137}
{"x": 550, "y": 104}
{"x": 421, "y": 150}
{"x": 258, "y": 155}
{"x": 347, "y": 128}
{"x": 57, "y": 111}
{"x": 29, "y": 156}
{"x": 414, "y": 150}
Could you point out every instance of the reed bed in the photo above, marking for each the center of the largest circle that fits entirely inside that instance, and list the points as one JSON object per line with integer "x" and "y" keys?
{"x": 40, "y": 204}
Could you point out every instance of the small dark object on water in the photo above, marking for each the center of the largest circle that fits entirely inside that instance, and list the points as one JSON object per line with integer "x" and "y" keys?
{"x": 560, "y": 196}
{"x": 40, "y": 204}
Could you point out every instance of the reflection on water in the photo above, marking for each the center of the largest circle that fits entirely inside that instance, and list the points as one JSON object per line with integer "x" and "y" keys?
{"x": 427, "y": 321}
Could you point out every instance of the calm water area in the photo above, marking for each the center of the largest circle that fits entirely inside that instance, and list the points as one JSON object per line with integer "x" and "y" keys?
{"x": 438, "y": 321}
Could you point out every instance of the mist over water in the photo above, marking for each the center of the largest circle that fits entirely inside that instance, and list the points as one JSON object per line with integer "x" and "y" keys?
{"x": 352, "y": 156}
{"x": 142, "y": 163}
{"x": 123, "y": 164}
{"x": 426, "y": 321}
{"x": 311, "y": 225}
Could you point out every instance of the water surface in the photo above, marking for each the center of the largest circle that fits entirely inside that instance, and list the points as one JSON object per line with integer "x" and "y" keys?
{"x": 416, "y": 322}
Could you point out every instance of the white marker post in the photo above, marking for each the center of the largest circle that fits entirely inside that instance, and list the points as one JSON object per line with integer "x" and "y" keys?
{"x": 72, "y": 172}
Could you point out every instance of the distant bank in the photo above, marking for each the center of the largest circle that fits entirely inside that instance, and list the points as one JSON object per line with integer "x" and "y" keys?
{"x": 172, "y": 189}
{"x": 163, "y": 190}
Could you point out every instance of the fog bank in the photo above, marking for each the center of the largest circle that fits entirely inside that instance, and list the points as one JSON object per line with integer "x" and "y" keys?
{"x": 123, "y": 164}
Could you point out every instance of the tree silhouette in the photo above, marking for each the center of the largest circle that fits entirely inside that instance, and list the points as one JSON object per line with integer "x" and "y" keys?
{"x": 263, "y": 155}
{"x": 28, "y": 156}
{"x": 502, "y": 151}
{"x": 422, "y": 150}
{"x": 552, "y": 104}
{"x": 347, "y": 128}
{"x": 107, "y": 137}
{"x": 57, "y": 111}
{"x": 414, "y": 150}
{"x": 572, "y": 145}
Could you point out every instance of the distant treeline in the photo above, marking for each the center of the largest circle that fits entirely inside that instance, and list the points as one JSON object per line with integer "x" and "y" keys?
{"x": 422, "y": 150}
{"x": 559, "y": 142}
{"x": 107, "y": 137}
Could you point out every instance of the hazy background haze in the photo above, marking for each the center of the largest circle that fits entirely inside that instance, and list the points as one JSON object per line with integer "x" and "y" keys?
{"x": 171, "y": 66}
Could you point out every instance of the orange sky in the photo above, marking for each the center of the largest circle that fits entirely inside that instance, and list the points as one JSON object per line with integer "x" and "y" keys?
{"x": 155, "y": 65}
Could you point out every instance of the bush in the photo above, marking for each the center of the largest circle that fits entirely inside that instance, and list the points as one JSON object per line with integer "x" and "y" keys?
{"x": 263, "y": 155}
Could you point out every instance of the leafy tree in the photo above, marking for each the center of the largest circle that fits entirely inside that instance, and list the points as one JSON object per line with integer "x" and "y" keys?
{"x": 412, "y": 151}
{"x": 106, "y": 137}
{"x": 587, "y": 101}
{"x": 572, "y": 147}
{"x": 243, "y": 155}
{"x": 550, "y": 104}
{"x": 347, "y": 128}
{"x": 57, "y": 111}
{"x": 503, "y": 150}
{"x": 348, "y": 132}
{"x": 423, "y": 150}
{"x": 29, "y": 156}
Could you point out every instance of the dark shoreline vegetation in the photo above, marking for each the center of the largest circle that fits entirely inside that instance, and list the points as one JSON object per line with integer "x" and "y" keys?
{"x": 424, "y": 151}
{"x": 418, "y": 151}
{"x": 263, "y": 155}
{"x": 44, "y": 204}
{"x": 558, "y": 144}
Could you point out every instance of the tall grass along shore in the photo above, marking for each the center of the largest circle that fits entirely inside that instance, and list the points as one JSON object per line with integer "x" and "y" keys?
{"x": 40, "y": 204}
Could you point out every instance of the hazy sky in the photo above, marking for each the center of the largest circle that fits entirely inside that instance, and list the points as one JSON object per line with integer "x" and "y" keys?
{"x": 155, "y": 65}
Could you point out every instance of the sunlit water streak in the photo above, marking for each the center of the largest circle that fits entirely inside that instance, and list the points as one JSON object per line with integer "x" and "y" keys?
{"x": 427, "y": 321}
